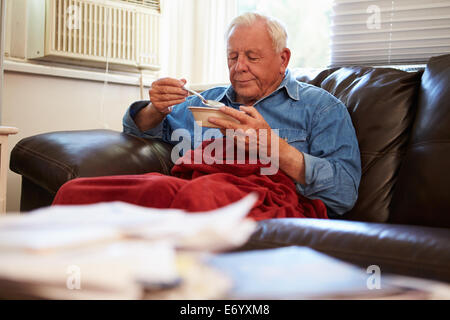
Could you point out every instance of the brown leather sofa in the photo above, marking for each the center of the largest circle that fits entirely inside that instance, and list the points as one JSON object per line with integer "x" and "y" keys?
{"x": 401, "y": 220}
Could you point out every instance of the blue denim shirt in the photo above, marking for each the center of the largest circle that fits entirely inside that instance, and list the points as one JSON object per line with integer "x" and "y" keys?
{"x": 307, "y": 117}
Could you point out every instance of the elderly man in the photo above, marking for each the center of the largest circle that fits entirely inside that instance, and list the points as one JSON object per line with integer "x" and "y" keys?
{"x": 317, "y": 144}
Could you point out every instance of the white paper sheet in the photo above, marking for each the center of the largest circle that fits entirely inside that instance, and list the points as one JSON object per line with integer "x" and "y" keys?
{"x": 114, "y": 246}
{"x": 70, "y": 226}
{"x": 102, "y": 271}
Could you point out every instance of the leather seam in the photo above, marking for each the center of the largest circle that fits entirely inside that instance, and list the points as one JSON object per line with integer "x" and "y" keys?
{"x": 402, "y": 261}
{"x": 386, "y": 258}
{"x": 378, "y": 156}
{"x": 375, "y": 153}
{"x": 36, "y": 182}
{"x": 424, "y": 143}
{"x": 43, "y": 157}
{"x": 161, "y": 162}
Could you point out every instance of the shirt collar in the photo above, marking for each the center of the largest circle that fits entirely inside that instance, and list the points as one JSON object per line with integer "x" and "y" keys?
{"x": 289, "y": 83}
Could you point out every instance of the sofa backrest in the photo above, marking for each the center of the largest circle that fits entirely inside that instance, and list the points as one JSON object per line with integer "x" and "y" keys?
{"x": 422, "y": 194}
{"x": 382, "y": 105}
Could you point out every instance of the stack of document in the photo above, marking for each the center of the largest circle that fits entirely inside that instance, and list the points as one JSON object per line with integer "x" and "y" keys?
{"x": 109, "y": 250}
{"x": 303, "y": 273}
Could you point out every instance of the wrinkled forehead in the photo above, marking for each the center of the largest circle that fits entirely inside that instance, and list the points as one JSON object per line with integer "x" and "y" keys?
{"x": 244, "y": 38}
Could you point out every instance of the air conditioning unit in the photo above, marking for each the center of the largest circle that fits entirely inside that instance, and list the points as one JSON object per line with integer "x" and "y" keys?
{"x": 124, "y": 33}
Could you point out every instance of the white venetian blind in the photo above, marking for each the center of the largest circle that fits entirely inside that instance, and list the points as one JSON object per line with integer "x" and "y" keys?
{"x": 384, "y": 32}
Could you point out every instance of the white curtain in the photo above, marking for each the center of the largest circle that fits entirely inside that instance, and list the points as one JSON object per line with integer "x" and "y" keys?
{"x": 2, "y": 49}
{"x": 193, "y": 44}
{"x": 382, "y": 32}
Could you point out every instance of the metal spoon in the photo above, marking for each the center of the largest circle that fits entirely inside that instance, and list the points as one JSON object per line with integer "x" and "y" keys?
{"x": 209, "y": 103}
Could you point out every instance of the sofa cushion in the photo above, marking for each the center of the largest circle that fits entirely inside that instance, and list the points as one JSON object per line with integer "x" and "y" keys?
{"x": 399, "y": 249}
{"x": 381, "y": 102}
{"x": 422, "y": 193}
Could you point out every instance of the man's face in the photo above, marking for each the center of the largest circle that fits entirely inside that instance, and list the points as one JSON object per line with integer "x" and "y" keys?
{"x": 256, "y": 69}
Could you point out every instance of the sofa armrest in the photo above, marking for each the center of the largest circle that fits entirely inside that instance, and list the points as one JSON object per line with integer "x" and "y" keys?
{"x": 398, "y": 249}
{"x": 51, "y": 159}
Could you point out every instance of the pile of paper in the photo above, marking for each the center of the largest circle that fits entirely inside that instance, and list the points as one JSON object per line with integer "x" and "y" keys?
{"x": 109, "y": 250}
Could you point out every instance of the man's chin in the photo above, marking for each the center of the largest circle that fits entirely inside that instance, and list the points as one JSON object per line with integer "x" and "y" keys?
{"x": 246, "y": 95}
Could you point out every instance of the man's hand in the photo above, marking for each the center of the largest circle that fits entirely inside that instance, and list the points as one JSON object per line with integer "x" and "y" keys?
{"x": 290, "y": 160}
{"x": 164, "y": 93}
{"x": 167, "y": 92}
{"x": 252, "y": 126}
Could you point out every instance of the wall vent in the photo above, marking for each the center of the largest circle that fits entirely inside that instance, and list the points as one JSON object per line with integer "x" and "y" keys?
{"x": 151, "y": 4}
{"x": 123, "y": 32}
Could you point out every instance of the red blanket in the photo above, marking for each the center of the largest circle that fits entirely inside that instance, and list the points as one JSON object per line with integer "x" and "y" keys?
{"x": 197, "y": 187}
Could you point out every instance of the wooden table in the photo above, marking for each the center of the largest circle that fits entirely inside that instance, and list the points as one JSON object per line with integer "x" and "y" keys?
{"x": 4, "y": 163}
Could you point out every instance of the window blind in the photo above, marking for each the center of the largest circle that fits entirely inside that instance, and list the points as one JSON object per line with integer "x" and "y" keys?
{"x": 386, "y": 32}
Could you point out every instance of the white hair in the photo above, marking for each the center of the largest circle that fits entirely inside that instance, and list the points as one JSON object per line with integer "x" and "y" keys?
{"x": 276, "y": 28}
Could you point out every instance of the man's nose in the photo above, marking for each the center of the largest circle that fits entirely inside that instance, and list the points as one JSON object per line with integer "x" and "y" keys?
{"x": 241, "y": 64}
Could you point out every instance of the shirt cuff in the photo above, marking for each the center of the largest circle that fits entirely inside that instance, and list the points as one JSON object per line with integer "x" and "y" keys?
{"x": 129, "y": 125}
{"x": 318, "y": 175}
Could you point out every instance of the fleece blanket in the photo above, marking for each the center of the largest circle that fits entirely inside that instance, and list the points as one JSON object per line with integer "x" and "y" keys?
{"x": 200, "y": 181}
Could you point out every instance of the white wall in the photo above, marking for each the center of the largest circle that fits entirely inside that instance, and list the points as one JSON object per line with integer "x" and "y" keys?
{"x": 192, "y": 47}
{"x": 37, "y": 104}
{"x": 36, "y": 100}
{"x": 2, "y": 45}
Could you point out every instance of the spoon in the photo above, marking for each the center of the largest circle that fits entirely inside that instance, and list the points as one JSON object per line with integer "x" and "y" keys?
{"x": 209, "y": 103}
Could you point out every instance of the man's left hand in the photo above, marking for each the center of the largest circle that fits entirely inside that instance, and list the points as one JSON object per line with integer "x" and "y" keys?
{"x": 252, "y": 130}
{"x": 252, "y": 123}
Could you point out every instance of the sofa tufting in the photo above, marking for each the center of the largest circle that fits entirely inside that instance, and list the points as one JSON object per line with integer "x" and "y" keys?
{"x": 401, "y": 221}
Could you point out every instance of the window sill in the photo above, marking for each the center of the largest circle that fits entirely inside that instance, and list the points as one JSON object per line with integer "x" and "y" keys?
{"x": 65, "y": 71}
{"x": 75, "y": 72}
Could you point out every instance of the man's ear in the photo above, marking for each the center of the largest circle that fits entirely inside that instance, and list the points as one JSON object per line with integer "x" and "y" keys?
{"x": 285, "y": 57}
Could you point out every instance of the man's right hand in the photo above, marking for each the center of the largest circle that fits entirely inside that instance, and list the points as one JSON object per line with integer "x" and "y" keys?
{"x": 164, "y": 93}
{"x": 167, "y": 92}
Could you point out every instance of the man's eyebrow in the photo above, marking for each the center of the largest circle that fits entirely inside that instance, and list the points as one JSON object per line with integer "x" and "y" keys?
{"x": 257, "y": 52}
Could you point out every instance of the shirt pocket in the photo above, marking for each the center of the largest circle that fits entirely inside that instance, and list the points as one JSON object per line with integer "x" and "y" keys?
{"x": 298, "y": 138}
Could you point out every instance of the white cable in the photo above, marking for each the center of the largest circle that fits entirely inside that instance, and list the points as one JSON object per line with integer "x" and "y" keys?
{"x": 141, "y": 84}
{"x": 105, "y": 83}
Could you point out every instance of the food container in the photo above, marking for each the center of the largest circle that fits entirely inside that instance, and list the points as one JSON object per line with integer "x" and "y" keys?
{"x": 201, "y": 114}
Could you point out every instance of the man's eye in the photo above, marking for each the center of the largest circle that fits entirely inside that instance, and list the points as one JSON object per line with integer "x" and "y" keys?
{"x": 253, "y": 58}
{"x": 232, "y": 57}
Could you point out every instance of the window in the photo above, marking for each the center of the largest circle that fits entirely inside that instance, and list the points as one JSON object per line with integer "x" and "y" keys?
{"x": 360, "y": 32}
{"x": 308, "y": 26}
{"x": 386, "y": 32}
{"x": 193, "y": 44}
